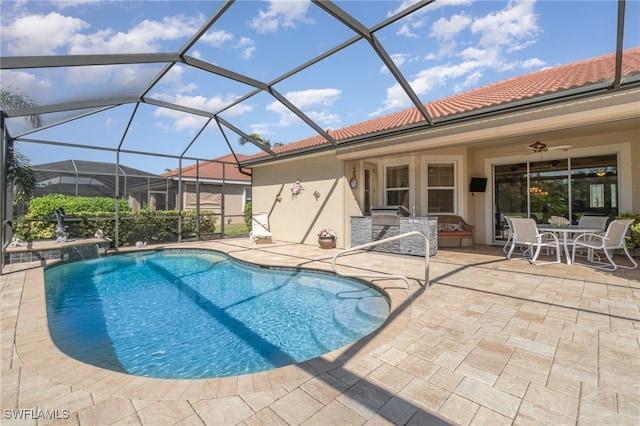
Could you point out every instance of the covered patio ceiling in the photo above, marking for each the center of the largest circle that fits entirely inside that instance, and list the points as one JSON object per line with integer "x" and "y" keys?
{"x": 349, "y": 28}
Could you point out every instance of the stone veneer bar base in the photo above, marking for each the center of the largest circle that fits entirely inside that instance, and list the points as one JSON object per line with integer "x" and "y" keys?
{"x": 363, "y": 231}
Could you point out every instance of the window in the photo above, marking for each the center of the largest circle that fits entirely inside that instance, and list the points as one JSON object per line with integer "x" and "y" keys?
{"x": 397, "y": 185}
{"x": 441, "y": 188}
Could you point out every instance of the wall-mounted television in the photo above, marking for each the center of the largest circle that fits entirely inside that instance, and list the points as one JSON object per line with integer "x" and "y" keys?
{"x": 478, "y": 184}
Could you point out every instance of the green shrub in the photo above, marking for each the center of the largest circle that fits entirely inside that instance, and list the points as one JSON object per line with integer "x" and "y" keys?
{"x": 85, "y": 215}
{"x": 45, "y": 206}
{"x": 247, "y": 215}
{"x": 634, "y": 229}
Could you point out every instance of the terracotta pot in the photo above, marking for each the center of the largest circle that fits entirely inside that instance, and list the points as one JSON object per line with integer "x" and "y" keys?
{"x": 327, "y": 242}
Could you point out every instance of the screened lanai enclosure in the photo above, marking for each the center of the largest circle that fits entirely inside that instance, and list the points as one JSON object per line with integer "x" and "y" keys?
{"x": 94, "y": 179}
{"x": 142, "y": 93}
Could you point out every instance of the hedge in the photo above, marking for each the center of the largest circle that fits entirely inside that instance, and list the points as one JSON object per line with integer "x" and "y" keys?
{"x": 99, "y": 213}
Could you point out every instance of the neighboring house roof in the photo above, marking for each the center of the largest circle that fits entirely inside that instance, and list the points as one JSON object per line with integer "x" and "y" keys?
{"x": 529, "y": 86}
{"x": 89, "y": 167}
{"x": 213, "y": 169}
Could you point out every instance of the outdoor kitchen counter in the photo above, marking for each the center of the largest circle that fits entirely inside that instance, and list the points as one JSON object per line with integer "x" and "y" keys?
{"x": 365, "y": 229}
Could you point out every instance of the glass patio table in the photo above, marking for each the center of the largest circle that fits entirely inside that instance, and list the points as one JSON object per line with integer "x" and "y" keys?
{"x": 564, "y": 232}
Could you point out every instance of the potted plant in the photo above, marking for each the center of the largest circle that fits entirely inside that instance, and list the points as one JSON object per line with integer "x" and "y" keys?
{"x": 327, "y": 239}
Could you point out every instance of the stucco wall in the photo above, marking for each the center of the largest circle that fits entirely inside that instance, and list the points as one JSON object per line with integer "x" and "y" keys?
{"x": 299, "y": 219}
{"x": 635, "y": 170}
{"x": 211, "y": 199}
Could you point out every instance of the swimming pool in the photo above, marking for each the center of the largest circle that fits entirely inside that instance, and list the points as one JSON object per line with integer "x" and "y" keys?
{"x": 200, "y": 314}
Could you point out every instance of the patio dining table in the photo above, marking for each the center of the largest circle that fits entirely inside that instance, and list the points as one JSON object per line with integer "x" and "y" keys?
{"x": 564, "y": 232}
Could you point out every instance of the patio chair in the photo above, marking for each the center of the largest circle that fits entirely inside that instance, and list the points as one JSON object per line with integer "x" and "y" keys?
{"x": 509, "y": 243}
{"x": 525, "y": 233}
{"x": 260, "y": 228}
{"x": 613, "y": 239}
{"x": 593, "y": 221}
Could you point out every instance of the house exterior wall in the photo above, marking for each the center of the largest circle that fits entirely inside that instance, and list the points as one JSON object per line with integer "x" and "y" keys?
{"x": 211, "y": 199}
{"x": 299, "y": 219}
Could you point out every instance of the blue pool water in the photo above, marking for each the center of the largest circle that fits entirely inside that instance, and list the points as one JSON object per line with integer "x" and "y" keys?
{"x": 200, "y": 314}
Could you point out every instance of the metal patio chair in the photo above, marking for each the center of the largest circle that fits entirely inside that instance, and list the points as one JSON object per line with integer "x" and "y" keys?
{"x": 525, "y": 233}
{"x": 613, "y": 239}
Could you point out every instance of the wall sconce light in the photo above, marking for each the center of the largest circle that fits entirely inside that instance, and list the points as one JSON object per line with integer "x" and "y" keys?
{"x": 601, "y": 173}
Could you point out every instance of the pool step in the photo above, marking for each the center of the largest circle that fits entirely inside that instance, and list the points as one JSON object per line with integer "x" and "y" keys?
{"x": 355, "y": 316}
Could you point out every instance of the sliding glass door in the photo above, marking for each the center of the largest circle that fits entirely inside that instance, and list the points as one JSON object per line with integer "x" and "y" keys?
{"x": 566, "y": 187}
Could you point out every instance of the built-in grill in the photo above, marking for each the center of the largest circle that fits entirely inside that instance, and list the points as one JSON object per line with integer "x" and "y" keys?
{"x": 388, "y": 215}
{"x": 385, "y": 216}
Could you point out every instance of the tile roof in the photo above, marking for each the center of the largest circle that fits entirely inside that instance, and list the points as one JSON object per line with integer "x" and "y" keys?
{"x": 213, "y": 169}
{"x": 528, "y": 86}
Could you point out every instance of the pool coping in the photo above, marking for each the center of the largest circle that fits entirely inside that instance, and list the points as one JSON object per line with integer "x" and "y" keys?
{"x": 37, "y": 350}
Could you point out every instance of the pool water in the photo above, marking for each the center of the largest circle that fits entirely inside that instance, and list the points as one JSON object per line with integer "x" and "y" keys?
{"x": 199, "y": 314}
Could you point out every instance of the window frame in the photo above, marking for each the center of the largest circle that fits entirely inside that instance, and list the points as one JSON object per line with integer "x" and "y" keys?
{"x": 458, "y": 189}
{"x": 403, "y": 161}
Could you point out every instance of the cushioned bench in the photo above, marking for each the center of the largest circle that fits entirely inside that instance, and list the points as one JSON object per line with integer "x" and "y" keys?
{"x": 450, "y": 226}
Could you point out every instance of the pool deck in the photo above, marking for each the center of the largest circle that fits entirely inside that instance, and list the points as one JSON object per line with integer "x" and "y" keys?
{"x": 491, "y": 342}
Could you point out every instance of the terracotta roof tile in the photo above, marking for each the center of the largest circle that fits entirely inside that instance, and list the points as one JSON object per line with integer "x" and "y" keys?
{"x": 213, "y": 169}
{"x": 528, "y": 86}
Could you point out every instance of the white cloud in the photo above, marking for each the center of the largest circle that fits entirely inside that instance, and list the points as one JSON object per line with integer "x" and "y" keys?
{"x": 217, "y": 38}
{"x": 54, "y": 32}
{"x": 430, "y": 7}
{"x": 409, "y": 25}
{"x": 425, "y": 81}
{"x": 489, "y": 40}
{"x": 143, "y": 38}
{"x": 447, "y": 29}
{"x": 180, "y": 121}
{"x": 418, "y": 19}
{"x": 309, "y": 97}
{"x": 263, "y": 129}
{"x": 489, "y": 57}
{"x": 515, "y": 22}
{"x": 312, "y": 101}
{"x": 60, "y": 34}
{"x": 470, "y": 81}
{"x": 183, "y": 122}
{"x": 533, "y": 63}
{"x": 25, "y": 82}
{"x": 247, "y": 47}
{"x": 325, "y": 118}
{"x": 398, "y": 59}
{"x": 281, "y": 13}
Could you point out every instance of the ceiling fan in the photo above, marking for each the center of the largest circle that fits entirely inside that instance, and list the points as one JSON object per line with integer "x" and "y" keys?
{"x": 538, "y": 147}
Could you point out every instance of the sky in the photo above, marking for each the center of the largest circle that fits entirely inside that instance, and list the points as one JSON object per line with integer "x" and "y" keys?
{"x": 447, "y": 47}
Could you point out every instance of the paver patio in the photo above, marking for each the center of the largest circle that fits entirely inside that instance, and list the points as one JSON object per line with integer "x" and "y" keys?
{"x": 492, "y": 341}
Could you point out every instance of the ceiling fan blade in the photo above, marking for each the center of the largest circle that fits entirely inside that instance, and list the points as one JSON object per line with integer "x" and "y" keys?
{"x": 559, "y": 148}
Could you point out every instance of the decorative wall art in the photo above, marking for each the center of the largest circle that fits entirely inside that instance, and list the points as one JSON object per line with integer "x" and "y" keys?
{"x": 353, "y": 182}
{"x": 296, "y": 189}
